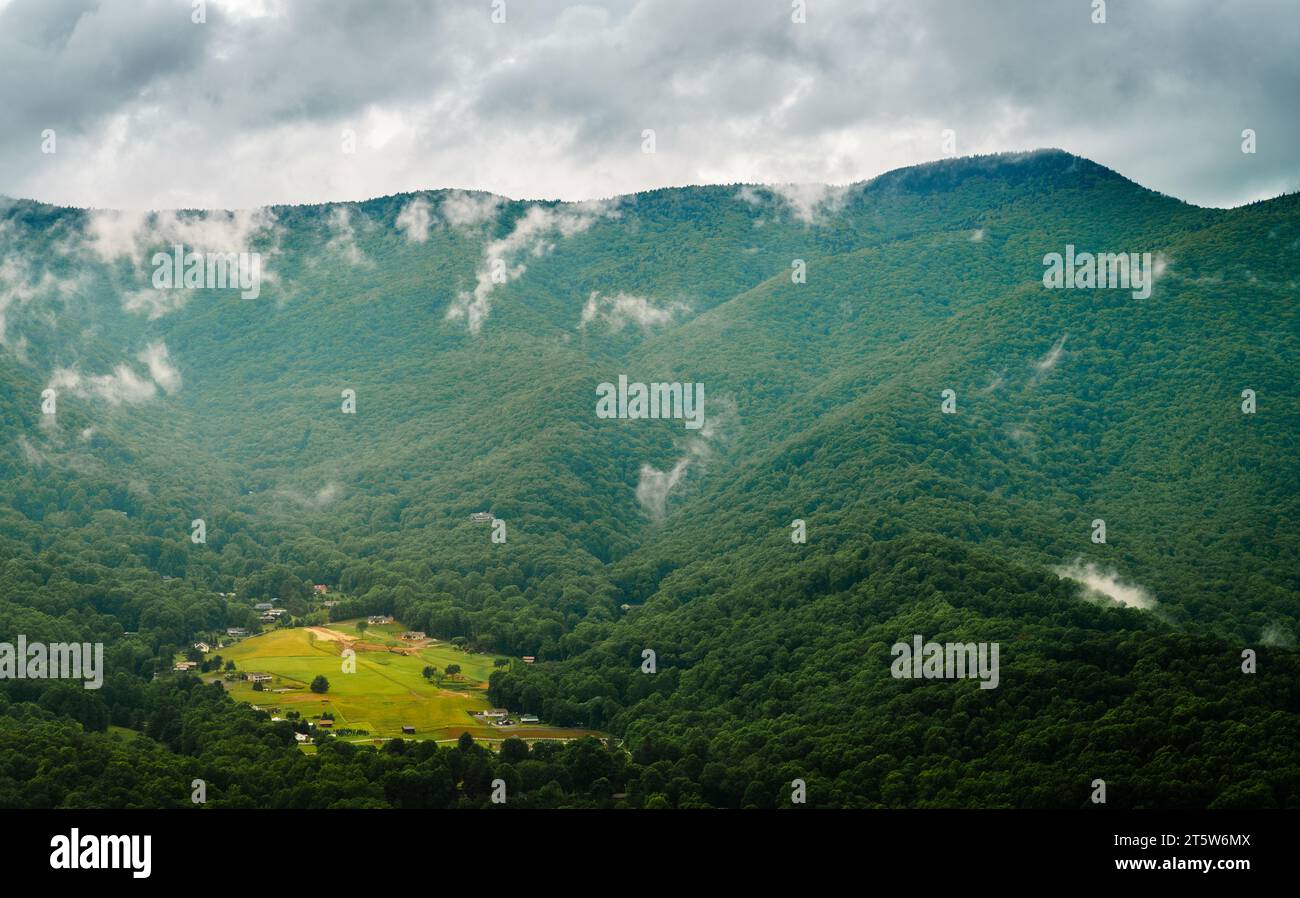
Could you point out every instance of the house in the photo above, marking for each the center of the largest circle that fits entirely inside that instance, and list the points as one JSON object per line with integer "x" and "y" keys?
{"x": 529, "y": 659}
{"x": 263, "y": 606}
{"x": 277, "y": 611}
{"x": 481, "y": 517}
{"x": 496, "y": 713}
{"x": 413, "y": 634}
{"x": 379, "y": 619}
{"x": 203, "y": 647}
{"x": 257, "y": 677}
{"x": 331, "y": 603}
{"x": 236, "y": 631}
{"x": 320, "y": 588}
{"x": 302, "y": 737}
{"x": 408, "y": 730}
{"x": 185, "y": 665}
{"x": 324, "y": 723}
{"x": 528, "y": 718}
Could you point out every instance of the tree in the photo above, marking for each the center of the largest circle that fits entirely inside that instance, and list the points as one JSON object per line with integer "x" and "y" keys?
{"x": 429, "y": 671}
{"x": 514, "y": 750}
{"x": 320, "y": 684}
{"x": 230, "y": 665}
{"x": 453, "y": 669}
{"x": 362, "y": 625}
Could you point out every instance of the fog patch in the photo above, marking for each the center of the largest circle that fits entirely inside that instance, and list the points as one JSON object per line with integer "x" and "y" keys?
{"x": 533, "y": 235}
{"x": 414, "y": 220}
{"x": 1277, "y": 635}
{"x": 617, "y": 311}
{"x": 461, "y": 209}
{"x": 1105, "y": 584}
{"x": 1047, "y": 364}
{"x": 163, "y": 372}
{"x": 343, "y": 237}
{"x": 124, "y": 385}
{"x": 314, "y": 501}
{"x": 112, "y": 235}
{"x": 654, "y": 486}
{"x": 811, "y": 204}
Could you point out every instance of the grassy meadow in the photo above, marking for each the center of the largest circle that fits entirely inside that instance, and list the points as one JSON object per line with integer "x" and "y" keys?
{"x": 386, "y": 692}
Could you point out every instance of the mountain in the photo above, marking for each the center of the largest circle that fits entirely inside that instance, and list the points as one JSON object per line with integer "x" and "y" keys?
{"x": 825, "y": 324}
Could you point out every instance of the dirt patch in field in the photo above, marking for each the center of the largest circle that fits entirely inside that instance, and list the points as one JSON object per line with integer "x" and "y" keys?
{"x": 329, "y": 635}
{"x": 325, "y": 634}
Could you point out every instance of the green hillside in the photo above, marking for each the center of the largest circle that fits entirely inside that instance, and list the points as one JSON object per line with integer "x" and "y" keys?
{"x": 823, "y": 404}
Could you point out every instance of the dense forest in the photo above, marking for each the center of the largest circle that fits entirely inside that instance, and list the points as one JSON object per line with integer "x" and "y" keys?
{"x": 823, "y": 402}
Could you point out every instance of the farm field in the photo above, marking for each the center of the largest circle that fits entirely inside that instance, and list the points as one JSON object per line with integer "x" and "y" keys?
{"x": 387, "y": 691}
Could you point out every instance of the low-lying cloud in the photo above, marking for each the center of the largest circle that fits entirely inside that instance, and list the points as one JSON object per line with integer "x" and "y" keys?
{"x": 123, "y": 385}
{"x": 534, "y": 234}
{"x": 654, "y": 486}
{"x": 1105, "y": 584}
{"x": 622, "y": 309}
{"x": 811, "y": 204}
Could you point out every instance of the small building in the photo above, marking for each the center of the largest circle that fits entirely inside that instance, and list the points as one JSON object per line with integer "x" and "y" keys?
{"x": 413, "y": 634}
{"x": 481, "y": 517}
{"x": 408, "y": 731}
{"x": 263, "y": 606}
{"x": 319, "y": 588}
{"x": 331, "y": 603}
{"x": 324, "y": 723}
{"x": 236, "y": 631}
{"x": 203, "y": 647}
{"x": 379, "y": 619}
{"x": 528, "y": 718}
{"x": 301, "y": 737}
{"x": 496, "y": 713}
{"x": 185, "y": 665}
{"x": 529, "y": 659}
{"x": 257, "y": 677}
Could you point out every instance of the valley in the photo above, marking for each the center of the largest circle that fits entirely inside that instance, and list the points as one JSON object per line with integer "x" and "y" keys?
{"x": 386, "y": 695}
{"x": 948, "y": 429}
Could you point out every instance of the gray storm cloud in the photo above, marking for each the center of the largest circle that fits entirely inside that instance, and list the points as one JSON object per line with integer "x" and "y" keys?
{"x": 152, "y": 111}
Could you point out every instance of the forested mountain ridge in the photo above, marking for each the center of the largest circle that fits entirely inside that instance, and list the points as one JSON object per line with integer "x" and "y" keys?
{"x": 823, "y": 399}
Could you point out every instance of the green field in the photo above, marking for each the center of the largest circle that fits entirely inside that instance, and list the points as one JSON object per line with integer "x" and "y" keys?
{"x": 387, "y": 690}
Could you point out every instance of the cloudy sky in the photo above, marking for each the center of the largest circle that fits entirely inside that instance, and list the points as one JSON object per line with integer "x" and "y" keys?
{"x": 152, "y": 110}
